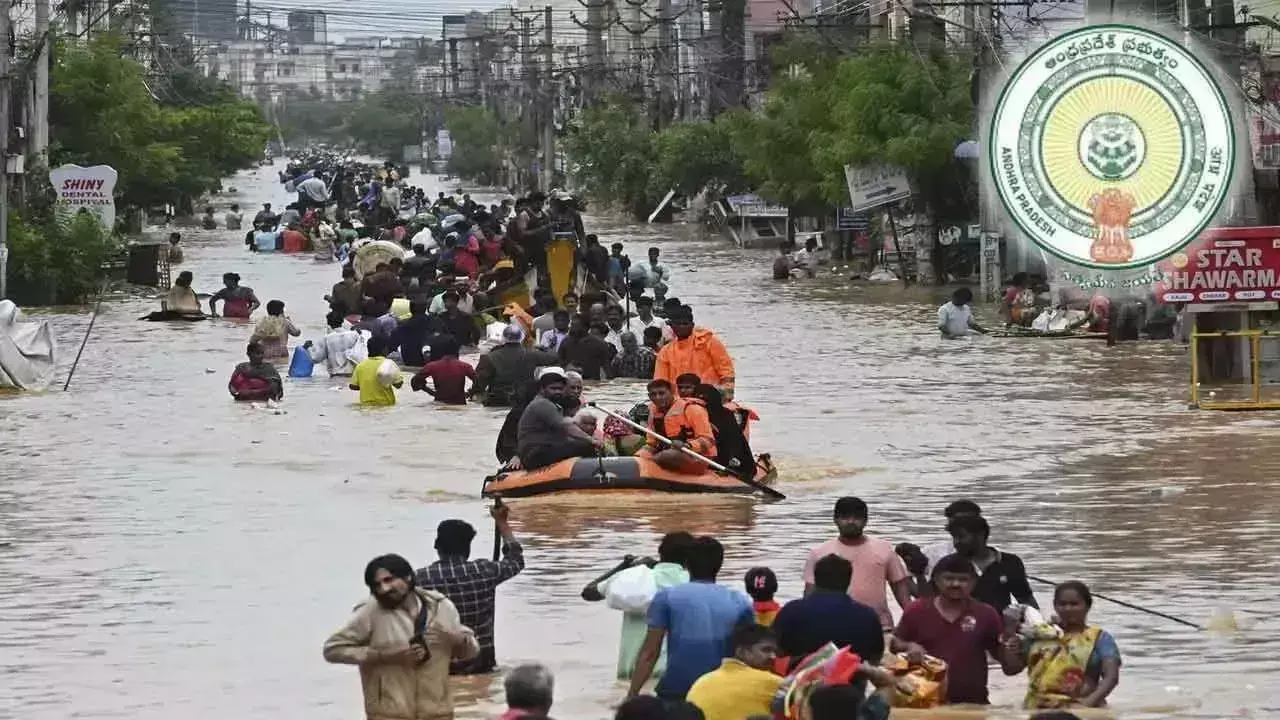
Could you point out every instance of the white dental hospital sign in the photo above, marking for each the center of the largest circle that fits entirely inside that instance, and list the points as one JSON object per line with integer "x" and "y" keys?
{"x": 86, "y": 189}
{"x": 1111, "y": 147}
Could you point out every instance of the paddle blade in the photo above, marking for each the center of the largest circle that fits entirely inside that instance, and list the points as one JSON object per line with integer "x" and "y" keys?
{"x": 1223, "y": 621}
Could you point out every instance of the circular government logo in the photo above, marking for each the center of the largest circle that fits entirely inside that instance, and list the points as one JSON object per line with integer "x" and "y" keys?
{"x": 1112, "y": 146}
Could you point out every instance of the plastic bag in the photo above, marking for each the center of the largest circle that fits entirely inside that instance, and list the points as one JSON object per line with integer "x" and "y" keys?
{"x": 388, "y": 373}
{"x": 300, "y": 366}
{"x": 359, "y": 352}
{"x": 1032, "y": 625}
{"x": 827, "y": 665}
{"x": 926, "y": 681}
{"x": 631, "y": 590}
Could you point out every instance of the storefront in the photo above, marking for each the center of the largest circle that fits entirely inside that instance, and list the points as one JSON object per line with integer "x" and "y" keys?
{"x": 1228, "y": 283}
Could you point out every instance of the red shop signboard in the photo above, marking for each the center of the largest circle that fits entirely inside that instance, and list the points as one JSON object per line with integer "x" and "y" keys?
{"x": 1224, "y": 265}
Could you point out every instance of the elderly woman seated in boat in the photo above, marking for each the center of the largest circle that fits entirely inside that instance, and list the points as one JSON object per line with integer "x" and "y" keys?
{"x": 573, "y": 386}
{"x": 256, "y": 379}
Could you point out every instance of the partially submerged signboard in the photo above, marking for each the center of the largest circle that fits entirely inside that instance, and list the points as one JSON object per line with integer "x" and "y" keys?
{"x": 754, "y": 206}
{"x": 873, "y": 186}
{"x": 1225, "y": 265}
{"x": 86, "y": 189}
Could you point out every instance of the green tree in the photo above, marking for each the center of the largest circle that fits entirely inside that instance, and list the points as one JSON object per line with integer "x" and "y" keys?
{"x": 303, "y": 119}
{"x": 166, "y": 148}
{"x": 385, "y": 121}
{"x": 693, "y": 156}
{"x": 55, "y": 262}
{"x": 896, "y": 106}
{"x": 477, "y": 136}
{"x": 780, "y": 145}
{"x": 216, "y": 141}
{"x": 612, "y": 153}
{"x": 101, "y": 112}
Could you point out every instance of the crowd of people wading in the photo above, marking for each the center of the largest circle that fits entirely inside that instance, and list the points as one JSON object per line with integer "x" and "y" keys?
{"x": 423, "y": 282}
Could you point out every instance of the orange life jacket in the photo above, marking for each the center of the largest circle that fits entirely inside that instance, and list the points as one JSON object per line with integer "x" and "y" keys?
{"x": 684, "y": 421}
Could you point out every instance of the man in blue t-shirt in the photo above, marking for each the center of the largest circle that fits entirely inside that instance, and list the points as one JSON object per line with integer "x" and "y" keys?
{"x": 696, "y": 619}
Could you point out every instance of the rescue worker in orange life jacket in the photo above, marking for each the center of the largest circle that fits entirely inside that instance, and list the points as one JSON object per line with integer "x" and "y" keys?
{"x": 682, "y": 421}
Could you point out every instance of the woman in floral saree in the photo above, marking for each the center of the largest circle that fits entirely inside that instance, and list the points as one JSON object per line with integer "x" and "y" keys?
{"x": 1079, "y": 666}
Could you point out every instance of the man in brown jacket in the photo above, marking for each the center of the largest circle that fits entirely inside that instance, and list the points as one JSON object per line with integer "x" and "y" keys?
{"x": 403, "y": 638}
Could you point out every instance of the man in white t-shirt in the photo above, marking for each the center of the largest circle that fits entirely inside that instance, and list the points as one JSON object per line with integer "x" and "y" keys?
{"x": 809, "y": 258}
{"x": 645, "y": 318}
{"x": 955, "y": 317}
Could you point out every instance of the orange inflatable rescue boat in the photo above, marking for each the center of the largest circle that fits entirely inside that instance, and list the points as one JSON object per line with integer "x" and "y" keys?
{"x": 619, "y": 474}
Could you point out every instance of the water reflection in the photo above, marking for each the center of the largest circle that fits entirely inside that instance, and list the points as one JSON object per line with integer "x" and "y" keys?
{"x": 161, "y": 546}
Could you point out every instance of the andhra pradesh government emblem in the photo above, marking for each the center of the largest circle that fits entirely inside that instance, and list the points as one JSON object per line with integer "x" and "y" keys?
{"x": 1111, "y": 146}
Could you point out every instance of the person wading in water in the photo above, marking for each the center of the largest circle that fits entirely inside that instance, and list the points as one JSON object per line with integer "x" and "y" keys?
{"x": 402, "y": 638}
{"x": 473, "y": 584}
{"x": 502, "y": 371}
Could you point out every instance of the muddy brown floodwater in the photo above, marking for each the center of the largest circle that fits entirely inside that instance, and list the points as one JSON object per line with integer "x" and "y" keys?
{"x": 164, "y": 549}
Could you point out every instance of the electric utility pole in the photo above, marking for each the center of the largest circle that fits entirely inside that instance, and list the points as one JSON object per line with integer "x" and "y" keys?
{"x": 549, "y": 98}
{"x": 5, "y": 82}
{"x": 39, "y": 110}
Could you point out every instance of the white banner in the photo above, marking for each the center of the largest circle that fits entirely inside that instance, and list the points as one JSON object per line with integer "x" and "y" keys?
{"x": 86, "y": 189}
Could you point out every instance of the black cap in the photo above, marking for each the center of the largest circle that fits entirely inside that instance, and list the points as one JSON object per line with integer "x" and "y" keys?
{"x": 682, "y": 314}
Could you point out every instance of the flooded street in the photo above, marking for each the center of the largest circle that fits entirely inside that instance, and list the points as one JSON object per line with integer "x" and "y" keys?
{"x": 162, "y": 547}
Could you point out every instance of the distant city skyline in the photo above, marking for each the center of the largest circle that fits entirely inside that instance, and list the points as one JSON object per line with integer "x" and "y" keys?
{"x": 414, "y": 18}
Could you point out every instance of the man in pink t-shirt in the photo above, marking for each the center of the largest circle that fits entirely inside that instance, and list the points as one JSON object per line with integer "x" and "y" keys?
{"x": 875, "y": 564}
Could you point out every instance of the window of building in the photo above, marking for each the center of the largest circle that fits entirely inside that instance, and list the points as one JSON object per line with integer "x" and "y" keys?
{"x": 342, "y": 67}
{"x": 355, "y": 67}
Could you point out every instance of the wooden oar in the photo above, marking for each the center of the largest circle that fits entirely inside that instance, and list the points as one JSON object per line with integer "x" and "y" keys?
{"x": 713, "y": 464}
{"x": 1122, "y": 603}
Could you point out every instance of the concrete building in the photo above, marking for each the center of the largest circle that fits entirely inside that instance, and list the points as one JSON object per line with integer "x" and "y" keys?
{"x": 308, "y": 26}
{"x": 267, "y": 68}
{"x": 204, "y": 20}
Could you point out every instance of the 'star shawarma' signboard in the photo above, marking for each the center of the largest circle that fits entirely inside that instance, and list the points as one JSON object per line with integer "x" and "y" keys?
{"x": 89, "y": 189}
{"x": 1225, "y": 265}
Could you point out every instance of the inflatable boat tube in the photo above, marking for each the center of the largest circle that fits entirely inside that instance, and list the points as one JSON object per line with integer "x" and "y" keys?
{"x": 618, "y": 474}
